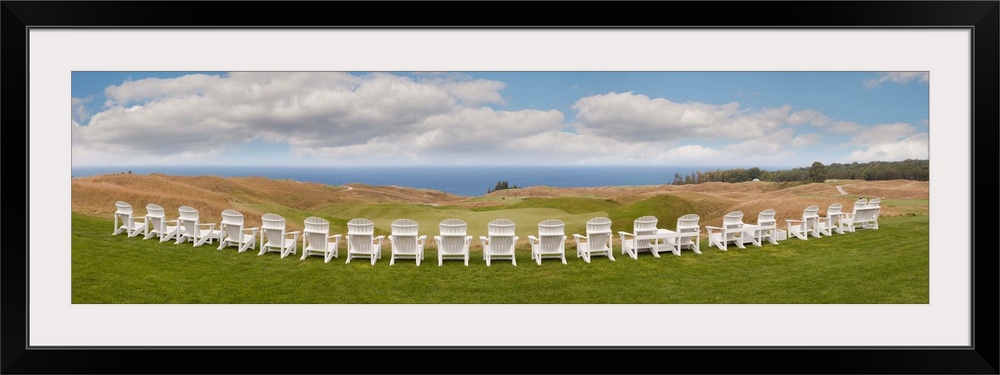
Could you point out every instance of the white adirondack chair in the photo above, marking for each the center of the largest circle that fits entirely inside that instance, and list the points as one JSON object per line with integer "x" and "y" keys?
{"x": 597, "y": 241}
{"x": 730, "y": 231}
{"x": 687, "y": 225}
{"x": 232, "y": 232}
{"x": 274, "y": 236}
{"x": 499, "y": 242}
{"x": 864, "y": 214}
{"x": 157, "y": 224}
{"x": 406, "y": 242}
{"x": 765, "y": 229}
{"x": 551, "y": 241}
{"x": 362, "y": 241}
{"x": 645, "y": 225}
{"x": 131, "y": 225}
{"x": 452, "y": 242}
{"x": 190, "y": 228}
{"x": 833, "y": 222}
{"x": 808, "y": 225}
{"x": 317, "y": 240}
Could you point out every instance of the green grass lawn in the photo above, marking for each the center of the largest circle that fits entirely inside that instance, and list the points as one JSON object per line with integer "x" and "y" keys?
{"x": 884, "y": 266}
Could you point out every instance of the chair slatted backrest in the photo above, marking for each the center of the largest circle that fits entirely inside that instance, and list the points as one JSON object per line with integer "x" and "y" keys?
{"x": 765, "y": 219}
{"x": 598, "y": 233}
{"x": 273, "y": 228}
{"x": 501, "y": 234}
{"x": 123, "y": 213}
{"x": 834, "y": 213}
{"x": 874, "y": 202}
{"x": 360, "y": 234}
{"x": 645, "y": 225}
{"x": 810, "y": 217}
{"x": 188, "y": 219}
{"x": 315, "y": 233}
{"x": 689, "y": 224}
{"x": 232, "y": 224}
{"x": 551, "y": 235}
{"x": 732, "y": 222}
{"x": 453, "y": 236}
{"x": 860, "y": 203}
{"x": 404, "y": 236}
{"x": 157, "y": 217}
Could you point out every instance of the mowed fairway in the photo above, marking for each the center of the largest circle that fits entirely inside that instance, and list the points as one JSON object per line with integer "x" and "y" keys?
{"x": 889, "y": 265}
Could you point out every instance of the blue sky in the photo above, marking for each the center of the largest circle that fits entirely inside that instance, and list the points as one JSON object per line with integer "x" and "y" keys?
{"x": 343, "y": 119}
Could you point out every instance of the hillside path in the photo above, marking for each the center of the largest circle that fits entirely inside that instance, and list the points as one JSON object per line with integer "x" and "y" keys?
{"x": 840, "y": 188}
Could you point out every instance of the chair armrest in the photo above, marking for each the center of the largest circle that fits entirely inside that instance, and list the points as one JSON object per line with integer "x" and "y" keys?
{"x": 468, "y": 239}
{"x": 533, "y": 239}
{"x": 579, "y": 237}
{"x": 794, "y": 221}
{"x": 293, "y": 232}
{"x": 484, "y": 239}
{"x": 422, "y": 239}
{"x": 254, "y": 229}
{"x": 334, "y": 236}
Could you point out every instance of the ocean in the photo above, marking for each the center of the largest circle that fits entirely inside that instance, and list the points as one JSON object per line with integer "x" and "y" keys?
{"x": 465, "y": 180}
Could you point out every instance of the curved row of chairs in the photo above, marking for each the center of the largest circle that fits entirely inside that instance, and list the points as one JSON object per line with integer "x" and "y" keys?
{"x": 453, "y": 241}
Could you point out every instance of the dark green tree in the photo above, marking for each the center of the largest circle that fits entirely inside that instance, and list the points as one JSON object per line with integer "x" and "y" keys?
{"x": 817, "y": 172}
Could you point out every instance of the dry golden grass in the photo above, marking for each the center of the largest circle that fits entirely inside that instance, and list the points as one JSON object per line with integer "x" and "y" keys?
{"x": 95, "y": 196}
{"x": 210, "y": 195}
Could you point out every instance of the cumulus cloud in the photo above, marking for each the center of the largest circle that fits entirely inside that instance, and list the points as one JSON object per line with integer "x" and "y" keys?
{"x": 633, "y": 117}
{"x": 309, "y": 110}
{"x": 438, "y": 119}
{"x": 80, "y": 111}
{"x": 912, "y": 147}
{"x": 845, "y": 127}
{"x": 808, "y": 116}
{"x": 882, "y": 133}
{"x": 896, "y": 77}
{"x": 889, "y": 142}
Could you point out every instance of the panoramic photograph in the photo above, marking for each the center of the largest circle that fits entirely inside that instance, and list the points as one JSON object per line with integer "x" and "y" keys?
{"x": 500, "y": 187}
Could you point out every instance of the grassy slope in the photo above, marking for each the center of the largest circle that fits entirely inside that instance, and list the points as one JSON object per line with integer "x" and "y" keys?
{"x": 889, "y": 265}
{"x": 843, "y": 269}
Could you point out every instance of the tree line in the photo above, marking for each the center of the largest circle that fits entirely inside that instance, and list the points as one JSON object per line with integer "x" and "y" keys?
{"x": 501, "y": 185}
{"x": 910, "y": 169}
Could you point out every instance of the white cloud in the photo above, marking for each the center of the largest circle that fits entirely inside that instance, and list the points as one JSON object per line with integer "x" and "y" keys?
{"x": 882, "y": 133}
{"x": 80, "y": 111}
{"x": 845, "y": 127}
{"x": 808, "y": 116}
{"x": 195, "y": 113}
{"x": 635, "y": 117}
{"x": 912, "y": 147}
{"x": 897, "y": 77}
{"x": 434, "y": 119}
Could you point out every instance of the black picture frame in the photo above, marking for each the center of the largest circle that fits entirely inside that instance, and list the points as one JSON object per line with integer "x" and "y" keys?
{"x": 981, "y": 17}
